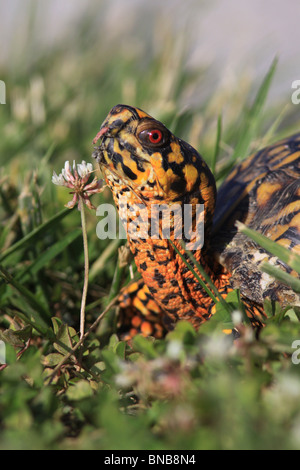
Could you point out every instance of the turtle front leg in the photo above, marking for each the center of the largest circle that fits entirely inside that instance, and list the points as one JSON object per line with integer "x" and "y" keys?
{"x": 139, "y": 313}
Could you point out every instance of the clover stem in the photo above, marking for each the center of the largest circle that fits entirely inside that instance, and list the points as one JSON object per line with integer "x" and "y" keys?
{"x": 86, "y": 267}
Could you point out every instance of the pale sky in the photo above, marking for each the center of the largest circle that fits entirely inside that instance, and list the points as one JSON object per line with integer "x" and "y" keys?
{"x": 225, "y": 33}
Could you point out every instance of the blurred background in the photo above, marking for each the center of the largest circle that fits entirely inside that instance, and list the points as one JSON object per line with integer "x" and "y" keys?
{"x": 65, "y": 64}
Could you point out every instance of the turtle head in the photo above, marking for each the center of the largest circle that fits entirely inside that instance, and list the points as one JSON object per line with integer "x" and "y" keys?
{"x": 142, "y": 154}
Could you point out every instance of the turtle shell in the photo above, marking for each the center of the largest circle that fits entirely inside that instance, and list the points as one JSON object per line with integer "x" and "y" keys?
{"x": 264, "y": 193}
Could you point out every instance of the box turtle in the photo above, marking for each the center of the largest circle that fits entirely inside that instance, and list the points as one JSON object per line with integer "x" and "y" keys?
{"x": 145, "y": 165}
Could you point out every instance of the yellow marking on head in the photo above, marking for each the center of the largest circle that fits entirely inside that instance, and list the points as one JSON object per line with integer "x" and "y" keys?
{"x": 124, "y": 115}
{"x": 156, "y": 162}
{"x": 142, "y": 176}
{"x": 161, "y": 175}
{"x": 265, "y": 191}
{"x": 156, "y": 159}
{"x": 191, "y": 174}
{"x": 176, "y": 154}
{"x": 165, "y": 178}
{"x": 204, "y": 180}
{"x": 117, "y": 147}
{"x": 142, "y": 114}
{"x": 207, "y": 193}
{"x": 130, "y": 138}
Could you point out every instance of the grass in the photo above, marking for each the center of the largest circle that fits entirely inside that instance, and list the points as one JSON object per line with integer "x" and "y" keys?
{"x": 191, "y": 390}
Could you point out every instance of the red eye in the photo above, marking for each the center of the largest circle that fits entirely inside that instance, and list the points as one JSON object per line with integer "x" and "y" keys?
{"x": 152, "y": 134}
{"x": 155, "y": 136}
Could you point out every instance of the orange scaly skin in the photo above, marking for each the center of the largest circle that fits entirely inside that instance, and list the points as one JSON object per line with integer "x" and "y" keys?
{"x": 144, "y": 162}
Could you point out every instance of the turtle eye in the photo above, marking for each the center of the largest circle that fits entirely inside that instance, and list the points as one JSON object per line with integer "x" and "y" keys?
{"x": 152, "y": 137}
{"x": 155, "y": 136}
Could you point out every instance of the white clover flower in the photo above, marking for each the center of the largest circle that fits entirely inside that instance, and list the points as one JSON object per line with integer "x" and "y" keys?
{"x": 77, "y": 179}
{"x": 84, "y": 168}
{"x": 58, "y": 179}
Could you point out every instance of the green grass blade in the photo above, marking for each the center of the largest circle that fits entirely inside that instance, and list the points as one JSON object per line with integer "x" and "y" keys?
{"x": 7, "y": 231}
{"x": 48, "y": 255}
{"x": 254, "y": 115}
{"x": 217, "y": 145}
{"x": 251, "y": 124}
{"x": 35, "y": 234}
{"x": 218, "y": 297}
{"x": 28, "y": 296}
{"x": 201, "y": 282}
{"x": 282, "y": 276}
{"x": 29, "y": 318}
{"x": 100, "y": 262}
